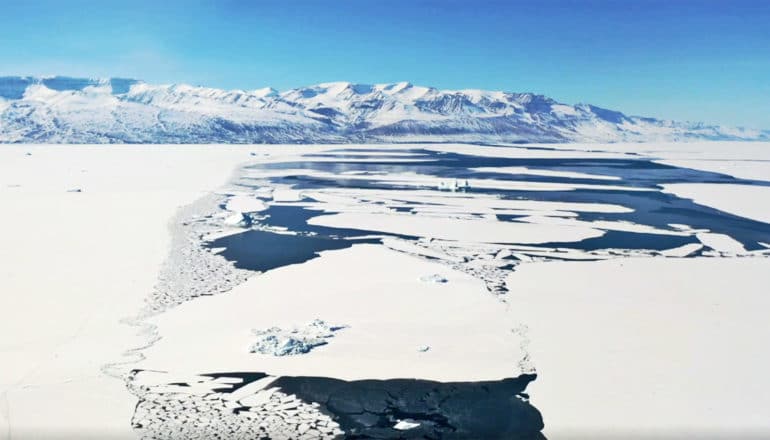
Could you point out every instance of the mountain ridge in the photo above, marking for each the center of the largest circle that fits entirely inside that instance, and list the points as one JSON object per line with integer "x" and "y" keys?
{"x": 61, "y": 109}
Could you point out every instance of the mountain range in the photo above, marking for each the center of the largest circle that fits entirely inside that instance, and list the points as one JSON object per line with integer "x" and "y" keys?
{"x": 82, "y": 110}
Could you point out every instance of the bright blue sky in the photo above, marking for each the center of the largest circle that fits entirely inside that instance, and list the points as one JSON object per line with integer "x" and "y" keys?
{"x": 679, "y": 59}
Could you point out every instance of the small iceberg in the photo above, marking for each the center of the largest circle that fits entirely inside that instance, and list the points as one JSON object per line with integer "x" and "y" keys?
{"x": 406, "y": 424}
{"x": 238, "y": 219}
{"x": 454, "y": 185}
{"x": 299, "y": 340}
{"x": 435, "y": 278}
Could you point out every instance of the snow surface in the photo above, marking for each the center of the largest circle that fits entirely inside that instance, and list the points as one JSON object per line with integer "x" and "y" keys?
{"x": 648, "y": 347}
{"x": 73, "y": 265}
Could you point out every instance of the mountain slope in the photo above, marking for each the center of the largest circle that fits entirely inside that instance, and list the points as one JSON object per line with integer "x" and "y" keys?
{"x": 76, "y": 110}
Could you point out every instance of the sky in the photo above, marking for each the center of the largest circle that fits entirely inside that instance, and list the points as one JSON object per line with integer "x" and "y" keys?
{"x": 686, "y": 60}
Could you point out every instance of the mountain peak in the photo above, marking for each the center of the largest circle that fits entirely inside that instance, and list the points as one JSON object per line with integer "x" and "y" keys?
{"x": 336, "y": 88}
{"x": 77, "y": 110}
{"x": 395, "y": 87}
{"x": 266, "y": 92}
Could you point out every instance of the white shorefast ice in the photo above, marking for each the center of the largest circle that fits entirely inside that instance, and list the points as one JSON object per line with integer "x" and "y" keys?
{"x": 76, "y": 110}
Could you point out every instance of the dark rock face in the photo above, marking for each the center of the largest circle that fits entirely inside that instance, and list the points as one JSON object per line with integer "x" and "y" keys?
{"x": 456, "y": 410}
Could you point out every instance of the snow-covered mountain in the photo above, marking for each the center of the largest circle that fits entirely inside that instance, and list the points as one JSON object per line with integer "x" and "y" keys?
{"x": 77, "y": 110}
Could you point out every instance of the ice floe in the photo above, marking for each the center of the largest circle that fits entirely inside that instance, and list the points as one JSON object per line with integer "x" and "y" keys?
{"x": 749, "y": 201}
{"x": 541, "y": 172}
{"x": 405, "y": 425}
{"x": 245, "y": 204}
